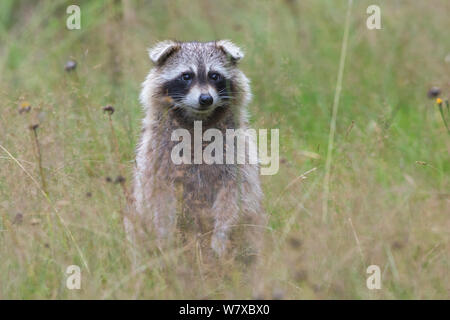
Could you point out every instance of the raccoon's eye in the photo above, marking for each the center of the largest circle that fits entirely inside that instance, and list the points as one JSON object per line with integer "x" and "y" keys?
{"x": 187, "y": 76}
{"x": 214, "y": 76}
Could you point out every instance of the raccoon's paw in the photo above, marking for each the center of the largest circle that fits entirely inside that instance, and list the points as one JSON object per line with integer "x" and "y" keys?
{"x": 219, "y": 243}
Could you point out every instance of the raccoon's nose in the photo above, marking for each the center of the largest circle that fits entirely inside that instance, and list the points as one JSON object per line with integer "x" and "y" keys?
{"x": 205, "y": 100}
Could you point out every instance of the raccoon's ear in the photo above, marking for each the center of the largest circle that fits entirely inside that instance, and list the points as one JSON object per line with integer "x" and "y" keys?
{"x": 162, "y": 50}
{"x": 230, "y": 49}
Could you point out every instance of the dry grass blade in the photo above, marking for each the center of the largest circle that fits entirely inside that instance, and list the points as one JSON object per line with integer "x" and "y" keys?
{"x": 290, "y": 184}
{"x": 337, "y": 94}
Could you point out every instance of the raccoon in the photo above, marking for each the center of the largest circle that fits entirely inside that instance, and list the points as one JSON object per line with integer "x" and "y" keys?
{"x": 220, "y": 203}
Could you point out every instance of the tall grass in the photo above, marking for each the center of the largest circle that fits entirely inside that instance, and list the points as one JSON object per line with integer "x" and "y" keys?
{"x": 388, "y": 196}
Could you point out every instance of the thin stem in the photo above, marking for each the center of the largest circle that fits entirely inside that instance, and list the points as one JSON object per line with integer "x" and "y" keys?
{"x": 39, "y": 156}
{"x": 117, "y": 155}
{"x": 443, "y": 116}
{"x": 337, "y": 93}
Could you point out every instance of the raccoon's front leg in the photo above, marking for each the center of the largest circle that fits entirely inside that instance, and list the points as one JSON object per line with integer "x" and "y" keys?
{"x": 156, "y": 209}
{"x": 164, "y": 215}
{"x": 232, "y": 206}
{"x": 226, "y": 213}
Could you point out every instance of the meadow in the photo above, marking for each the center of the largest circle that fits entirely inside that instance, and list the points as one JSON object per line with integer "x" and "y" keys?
{"x": 66, "y": 165}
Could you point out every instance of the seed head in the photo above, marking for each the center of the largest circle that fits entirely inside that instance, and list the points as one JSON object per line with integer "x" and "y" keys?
{"x": 70, "y": 65}
{"x": 109, "y": 109}
{"x": 119, "y": 179}
{"x": 24, "y": 107}
{"x": 434, "y": 92}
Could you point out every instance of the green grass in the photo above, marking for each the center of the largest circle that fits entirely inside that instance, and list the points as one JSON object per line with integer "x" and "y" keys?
{"x": 390, "y": 175}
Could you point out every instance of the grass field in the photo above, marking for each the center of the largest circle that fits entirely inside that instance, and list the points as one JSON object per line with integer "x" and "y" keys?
{"x": 389, "y": 187}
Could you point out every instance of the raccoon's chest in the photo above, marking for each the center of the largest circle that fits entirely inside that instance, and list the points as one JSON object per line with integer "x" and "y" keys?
{"x": 197, "y": 184}
{"x": 202, "y": 182}
{"x": 196, "y": 193}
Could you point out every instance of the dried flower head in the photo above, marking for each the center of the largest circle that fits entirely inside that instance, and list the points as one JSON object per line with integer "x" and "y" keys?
{"x": 34, "y": 126}
{"x": 109, "y": 109}
{"x": 119, "y": 179}
{"x": 433, "y": 92}
{"x": 24, "y": 107}
{"x": 70, "y": 65}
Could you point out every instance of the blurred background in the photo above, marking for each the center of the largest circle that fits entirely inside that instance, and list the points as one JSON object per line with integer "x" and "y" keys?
{"x": 66, "y": 165}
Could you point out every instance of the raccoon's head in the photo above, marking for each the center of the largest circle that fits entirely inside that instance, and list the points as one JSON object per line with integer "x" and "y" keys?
{"x": 197, "y": 78}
